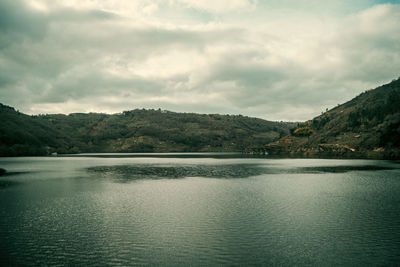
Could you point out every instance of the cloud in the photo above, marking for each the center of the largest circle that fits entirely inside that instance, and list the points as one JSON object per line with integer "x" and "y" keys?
{"x": 220, "y": 6}
{"x": 18, "y": 22}
{"x": 272, "y": 61}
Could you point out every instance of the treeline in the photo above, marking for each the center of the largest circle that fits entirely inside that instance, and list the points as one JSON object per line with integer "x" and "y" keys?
{"x": 377, "y": 112}
{"x": 137, "y": 130}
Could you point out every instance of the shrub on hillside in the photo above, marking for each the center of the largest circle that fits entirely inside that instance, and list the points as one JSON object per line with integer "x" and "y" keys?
{"x": 303, "y": 131}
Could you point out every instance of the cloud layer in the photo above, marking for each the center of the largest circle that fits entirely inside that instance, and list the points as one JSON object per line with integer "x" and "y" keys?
{"x": 237, "y": 57}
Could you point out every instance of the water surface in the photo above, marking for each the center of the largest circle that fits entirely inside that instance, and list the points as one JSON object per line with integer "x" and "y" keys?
{"x": 198, "y": 210}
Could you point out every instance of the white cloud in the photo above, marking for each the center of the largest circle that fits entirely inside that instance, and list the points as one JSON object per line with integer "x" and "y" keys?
{"x": 220, "y": 6}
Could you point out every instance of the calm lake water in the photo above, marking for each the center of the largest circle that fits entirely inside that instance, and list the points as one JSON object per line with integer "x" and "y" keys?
{"x": 199, "y": 210}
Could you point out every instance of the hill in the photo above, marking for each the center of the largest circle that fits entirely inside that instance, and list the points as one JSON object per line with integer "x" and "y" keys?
{"x": 367, "y": 126}
{"x": 132, "y": 131}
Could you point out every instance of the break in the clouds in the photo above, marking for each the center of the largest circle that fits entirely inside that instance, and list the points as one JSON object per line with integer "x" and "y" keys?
{"x": 279, "y": 60}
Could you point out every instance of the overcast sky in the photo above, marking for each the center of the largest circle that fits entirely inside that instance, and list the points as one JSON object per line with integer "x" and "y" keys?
{"x": 274, "y": 59}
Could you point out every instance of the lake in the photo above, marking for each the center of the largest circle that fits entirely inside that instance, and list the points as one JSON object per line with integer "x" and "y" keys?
{"x": 199, "y": 210}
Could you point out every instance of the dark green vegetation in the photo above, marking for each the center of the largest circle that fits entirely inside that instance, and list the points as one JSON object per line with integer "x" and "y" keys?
{"x": 368, "y": 126}
{"x": 132, "y": 131}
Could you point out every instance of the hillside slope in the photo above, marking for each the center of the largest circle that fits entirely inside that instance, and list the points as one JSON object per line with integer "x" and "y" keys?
{"x": 132, "y": 131}
{"x": 367, "y": 126}
{"x": 21, "y": 134}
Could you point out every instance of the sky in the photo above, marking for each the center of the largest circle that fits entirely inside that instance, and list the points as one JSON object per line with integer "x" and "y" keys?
{"x": 283, "y": 60}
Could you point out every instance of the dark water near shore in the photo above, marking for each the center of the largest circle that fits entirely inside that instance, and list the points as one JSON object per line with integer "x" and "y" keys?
{"x": 198, "y": 210}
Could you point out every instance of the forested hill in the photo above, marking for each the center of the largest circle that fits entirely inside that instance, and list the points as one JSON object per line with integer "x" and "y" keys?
{"x": 367, "y": 126}
{"x": 132, "y": 131}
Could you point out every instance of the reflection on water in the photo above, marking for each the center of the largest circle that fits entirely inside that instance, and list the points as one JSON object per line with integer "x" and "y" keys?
{"x": 89, "y": 211}
{"x": 189, "y": 155}
{"x": 126, "y": 173}
{"x": 341, "y": 169}
{"x": 133, "y": 172}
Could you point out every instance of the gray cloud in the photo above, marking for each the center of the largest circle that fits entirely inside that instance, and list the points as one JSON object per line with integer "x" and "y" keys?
{"x": 94, "y": 59}
{"x": 18, "y": 23}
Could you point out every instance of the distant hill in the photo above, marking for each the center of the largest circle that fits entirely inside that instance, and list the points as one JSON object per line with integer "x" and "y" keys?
{"x": 367, "y": 126}
{"x": 132, "y": 131}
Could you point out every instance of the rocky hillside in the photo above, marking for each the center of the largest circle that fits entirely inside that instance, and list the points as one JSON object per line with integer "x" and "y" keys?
{"x": 132, "y": 131}
{"x": 367, "y": 126}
